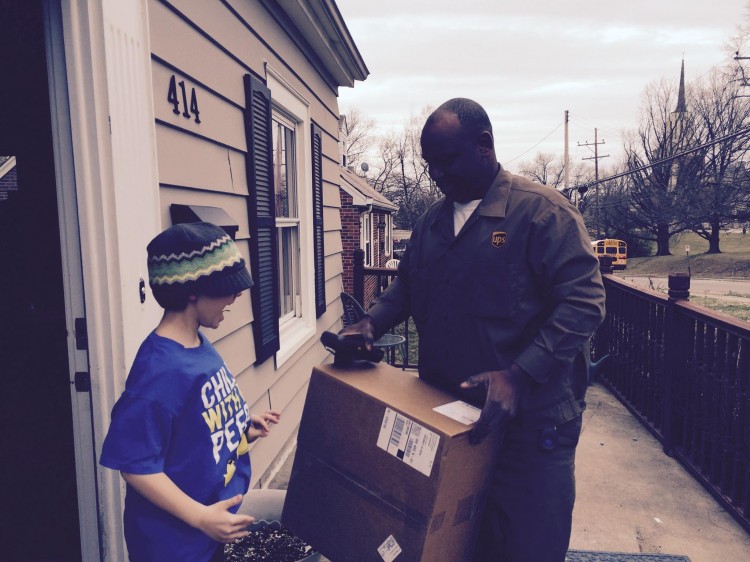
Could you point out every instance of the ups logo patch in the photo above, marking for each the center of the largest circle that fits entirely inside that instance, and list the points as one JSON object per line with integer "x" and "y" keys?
{"x": 499, "y": 238}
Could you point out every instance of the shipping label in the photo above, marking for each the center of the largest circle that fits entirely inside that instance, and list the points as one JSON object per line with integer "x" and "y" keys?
{"x": 389, "y": 549}
{"x": 407, "y": 440}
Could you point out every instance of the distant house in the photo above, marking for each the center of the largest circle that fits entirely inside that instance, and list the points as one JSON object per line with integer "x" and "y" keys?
{"x": 126, "y": 117}
{"x": 367, "y": 224}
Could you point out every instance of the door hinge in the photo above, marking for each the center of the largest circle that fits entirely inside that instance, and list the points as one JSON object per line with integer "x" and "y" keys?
{"x": 82, "y": 382}
{"x": 82, "y": 335}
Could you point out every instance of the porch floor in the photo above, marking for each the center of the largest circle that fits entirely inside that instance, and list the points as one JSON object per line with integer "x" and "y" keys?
{"x": 633, "y": 498}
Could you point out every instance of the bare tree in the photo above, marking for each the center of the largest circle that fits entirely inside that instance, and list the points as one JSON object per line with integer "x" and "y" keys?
{"x": 358, "y": 135}
{"x": 657, "y": 182}
{"x": 400, "y": 173}
{"x": 544, "y": 169}
{"x": 549, "y": 169}
{"x": 719, "y": 196}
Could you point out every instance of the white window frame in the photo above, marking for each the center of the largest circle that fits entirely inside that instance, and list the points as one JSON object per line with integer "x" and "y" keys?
{"x": 295, "y": 330}
{"x": 292, "y": 224}
{"x": 366, "y": 237}
{"x": 388, "y": 233}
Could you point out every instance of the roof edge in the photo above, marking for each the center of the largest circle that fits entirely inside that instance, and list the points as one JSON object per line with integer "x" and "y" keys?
{"x": 322, "y": 25}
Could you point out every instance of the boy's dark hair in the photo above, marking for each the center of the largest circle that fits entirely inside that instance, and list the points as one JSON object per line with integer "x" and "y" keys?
{"x": 194, "y": 259}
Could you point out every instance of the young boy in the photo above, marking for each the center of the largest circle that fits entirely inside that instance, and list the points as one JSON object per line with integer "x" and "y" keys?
{"x": 180, "y": 431}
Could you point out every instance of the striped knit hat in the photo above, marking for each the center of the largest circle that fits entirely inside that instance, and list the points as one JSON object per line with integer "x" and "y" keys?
{"x": 195, "y": 259}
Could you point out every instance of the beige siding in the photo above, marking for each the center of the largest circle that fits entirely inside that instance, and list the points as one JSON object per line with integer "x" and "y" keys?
{"x": 179, "y": 44}
{"x": 331, "y": 195}
{"x": 210, "y": 48}
{"x": 189, "y": 161}
{"x": 333, "y": 290}
{"x": 220, "y": 120}
{"x": 233, "y": 347}
{"x": 331, "y": 219}
{"x": 264, "y": 451}
{"x": 332, "y": 241}
{"x": 333, "y": 267}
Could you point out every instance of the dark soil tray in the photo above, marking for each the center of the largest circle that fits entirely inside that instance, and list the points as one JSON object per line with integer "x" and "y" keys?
{"x": 268, "y": 542}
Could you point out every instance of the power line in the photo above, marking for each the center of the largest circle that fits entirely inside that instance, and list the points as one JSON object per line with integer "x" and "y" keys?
{"x": 596, "y": 158}
{"x": 664, "y": 160}
{"x": 537, "y": 144}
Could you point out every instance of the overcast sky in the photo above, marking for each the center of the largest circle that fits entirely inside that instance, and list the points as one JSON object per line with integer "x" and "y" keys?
{"x": 527, "y": 61}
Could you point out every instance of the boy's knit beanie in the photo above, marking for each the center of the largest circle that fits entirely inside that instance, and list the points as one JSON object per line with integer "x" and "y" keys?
{"x": 196, "y": 258}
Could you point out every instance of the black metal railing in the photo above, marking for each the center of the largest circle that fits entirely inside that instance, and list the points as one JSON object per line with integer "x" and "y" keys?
{"x": 684, "y": 371}
{"x": 369, "y": 284}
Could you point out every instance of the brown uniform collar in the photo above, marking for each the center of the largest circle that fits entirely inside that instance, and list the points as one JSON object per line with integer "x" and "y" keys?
{"x": 495, "y": 201}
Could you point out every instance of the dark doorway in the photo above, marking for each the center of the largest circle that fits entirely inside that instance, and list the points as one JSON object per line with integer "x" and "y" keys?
{"x": 38, "y": 477}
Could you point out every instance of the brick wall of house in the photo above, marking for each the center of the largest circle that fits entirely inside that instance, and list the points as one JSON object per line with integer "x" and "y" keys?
{"x": 349, "y": 238}
{"x": 350, "y": 241}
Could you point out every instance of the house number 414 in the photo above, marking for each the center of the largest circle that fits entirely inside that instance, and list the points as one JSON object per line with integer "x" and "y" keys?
{"x": 174, "y": 98}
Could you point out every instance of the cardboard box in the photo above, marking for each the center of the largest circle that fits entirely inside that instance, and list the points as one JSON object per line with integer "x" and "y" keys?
{"x": 379, "y": 475}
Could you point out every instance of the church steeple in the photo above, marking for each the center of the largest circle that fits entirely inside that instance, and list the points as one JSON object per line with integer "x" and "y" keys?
{"x": 681, "y": 106}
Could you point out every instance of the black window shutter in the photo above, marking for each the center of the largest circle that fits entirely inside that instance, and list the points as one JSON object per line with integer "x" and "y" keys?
{"x": 317, "y": 198}
{"x": 262, "y": 218}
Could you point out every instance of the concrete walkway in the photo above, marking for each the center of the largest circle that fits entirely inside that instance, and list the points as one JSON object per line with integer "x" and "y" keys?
{"x": 631, "y": 497}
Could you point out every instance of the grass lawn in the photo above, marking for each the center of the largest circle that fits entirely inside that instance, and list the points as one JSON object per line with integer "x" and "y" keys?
{"x": 734, "y": 261}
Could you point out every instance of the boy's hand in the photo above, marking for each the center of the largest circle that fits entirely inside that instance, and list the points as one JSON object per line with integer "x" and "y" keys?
{"x": 220, "y": 524}
{"x": 261, "y": 424}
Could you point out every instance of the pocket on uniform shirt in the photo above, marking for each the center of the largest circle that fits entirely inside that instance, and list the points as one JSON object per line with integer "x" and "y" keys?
{"x": 494, "y": 291}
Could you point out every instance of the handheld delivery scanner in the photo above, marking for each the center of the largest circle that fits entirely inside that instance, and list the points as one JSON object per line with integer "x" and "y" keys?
{"x": 348, "y": 349}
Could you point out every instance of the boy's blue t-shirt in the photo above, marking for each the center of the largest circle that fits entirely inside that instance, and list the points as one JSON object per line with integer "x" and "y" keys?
{"x": 182, "y": 414}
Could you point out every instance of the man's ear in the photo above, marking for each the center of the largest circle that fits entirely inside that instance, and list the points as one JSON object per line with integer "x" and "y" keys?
{"x": 192, "y": 298}
{"x": 486, "y": 143}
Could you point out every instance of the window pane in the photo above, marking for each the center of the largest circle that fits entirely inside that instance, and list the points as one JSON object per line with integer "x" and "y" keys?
{"x": 283, "y": 166}
{"x": 285, "y": 185}
{"x": 288, "y": 243}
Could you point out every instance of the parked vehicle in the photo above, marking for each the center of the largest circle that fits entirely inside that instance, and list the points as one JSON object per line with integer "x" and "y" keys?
{"x": 618, "y": 249}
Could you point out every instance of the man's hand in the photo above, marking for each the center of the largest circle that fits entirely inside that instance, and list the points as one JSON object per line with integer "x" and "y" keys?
{"x": 261, "y": 424}
{"x": 504, "y": 390}
{"x": 363, "y": 331}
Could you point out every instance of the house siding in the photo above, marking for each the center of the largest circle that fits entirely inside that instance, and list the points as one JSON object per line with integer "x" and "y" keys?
{"x": 210, "y": 47}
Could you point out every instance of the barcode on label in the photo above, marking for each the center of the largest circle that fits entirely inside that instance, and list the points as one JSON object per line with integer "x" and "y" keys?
{"x": 413, "y": 439}
{"x": 398, "y": 430}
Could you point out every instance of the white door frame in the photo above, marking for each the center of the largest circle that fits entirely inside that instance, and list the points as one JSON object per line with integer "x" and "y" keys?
{"x": 108, "y": 203}
{"x": 67, "y": 212}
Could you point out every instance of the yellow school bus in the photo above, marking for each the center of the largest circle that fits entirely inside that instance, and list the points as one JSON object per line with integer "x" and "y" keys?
{"x": 618, "y": 249}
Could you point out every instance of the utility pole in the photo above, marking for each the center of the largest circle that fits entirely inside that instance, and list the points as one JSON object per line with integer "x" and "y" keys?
{"x": 744, "y": 79}
{"x": 566, "y": 162}
{"x": 595, "y": 158}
